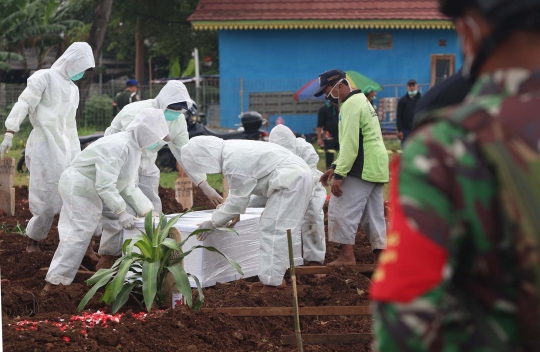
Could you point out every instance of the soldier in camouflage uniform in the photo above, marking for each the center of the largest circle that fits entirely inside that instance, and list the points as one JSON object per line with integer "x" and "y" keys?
{"x": 462, "y": 267}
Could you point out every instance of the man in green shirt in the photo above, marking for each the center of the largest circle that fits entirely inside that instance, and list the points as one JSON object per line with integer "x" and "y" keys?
{"x": 128, "y": 96}
{"x": 359, "y": 172}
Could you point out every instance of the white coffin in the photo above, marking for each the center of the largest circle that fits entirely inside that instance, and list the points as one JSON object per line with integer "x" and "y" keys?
{"x": 210, "y": 267}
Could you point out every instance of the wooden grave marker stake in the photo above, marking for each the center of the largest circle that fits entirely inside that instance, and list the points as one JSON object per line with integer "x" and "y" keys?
{"x": 7, "y": 181}
{"x": 183, "y": 190}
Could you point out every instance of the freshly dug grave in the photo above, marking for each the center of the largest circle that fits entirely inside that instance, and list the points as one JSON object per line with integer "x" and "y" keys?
{"x": 171, "y": 206}
{"x": 169, "y": 330}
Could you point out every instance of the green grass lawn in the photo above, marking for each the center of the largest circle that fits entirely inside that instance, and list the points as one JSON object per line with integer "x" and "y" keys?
{"x": 21, "y": 179}
{"x": 168, "y": 179}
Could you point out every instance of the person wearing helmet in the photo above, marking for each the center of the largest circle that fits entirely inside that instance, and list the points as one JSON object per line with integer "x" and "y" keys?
{"x": 174, "y": 101}
{"x": 50, "y": 100}
{"x": 128, "y": 96}
{"x": 461, "y": 270}
{"x": 102, "y": 175}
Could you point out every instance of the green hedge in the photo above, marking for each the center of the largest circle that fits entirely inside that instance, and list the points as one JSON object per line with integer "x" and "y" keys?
{"x": 97, "y": 113}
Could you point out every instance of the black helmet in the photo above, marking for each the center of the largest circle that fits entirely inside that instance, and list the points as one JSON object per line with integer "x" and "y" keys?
{"x": 192, "y": 111}
{"x": 494, "y": 10}
{"x": 506, "y": 16}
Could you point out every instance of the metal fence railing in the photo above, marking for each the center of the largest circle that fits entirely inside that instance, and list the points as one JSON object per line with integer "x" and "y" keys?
{"x": 96, "y": 111}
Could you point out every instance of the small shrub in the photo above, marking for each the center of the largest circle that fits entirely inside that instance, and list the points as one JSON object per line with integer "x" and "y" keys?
{"x": 145, "y": 272}
{"x": 97, "y": 113}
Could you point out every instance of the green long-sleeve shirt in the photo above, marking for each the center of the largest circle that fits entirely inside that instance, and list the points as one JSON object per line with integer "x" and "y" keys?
{"x": 362, "y": 152}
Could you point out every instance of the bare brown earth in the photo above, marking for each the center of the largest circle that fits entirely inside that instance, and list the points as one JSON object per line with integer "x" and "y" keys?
{"x": 170, "y": 330}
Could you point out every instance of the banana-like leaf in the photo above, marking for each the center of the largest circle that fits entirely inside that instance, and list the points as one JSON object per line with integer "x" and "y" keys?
{"x": 107, "y": 294}
{"x": 211, "y": 249}
{"x": 200, "y": 299}
{"x": 141, "y": 242}
{"x": 38, "y": 30}
{"x": 93, "y": 290}
{"x": 165, "y": 231}
{"x": 118, "y": 281}
{"x": 10, "y": 56}
{"x": 170, "y": 243}
{"x": 194, "y": 233}
{"x": 149, "y": 275}
{"x": 122, "y": 297}
{"x": 146, "y": 250}
{"x": 50, "y": 10}
{"x": 180, "y": 257}
{"x": 229, "y": 259}
{"x": 101, "y": 273}
{"x": 124, "y": 246}
{"x": 4, "y": 66}
{"x": 149, "y": 226}
{"x": 182, "y": 282}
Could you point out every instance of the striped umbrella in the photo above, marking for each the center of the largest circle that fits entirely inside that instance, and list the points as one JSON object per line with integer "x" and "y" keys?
{"x": 357, "y": 80}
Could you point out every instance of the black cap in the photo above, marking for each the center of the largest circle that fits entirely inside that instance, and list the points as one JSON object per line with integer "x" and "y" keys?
{"x": 327, "y": 78}
{"x": 411, "y": 82}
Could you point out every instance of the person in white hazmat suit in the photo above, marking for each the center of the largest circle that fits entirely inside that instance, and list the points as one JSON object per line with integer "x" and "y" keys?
{"x": 174, "y": 100}
{"x": 313, "y": 239}
{"x": 263, "y": 169}
{"x": 50, "y": 100}
{"x": 103, "y": 174}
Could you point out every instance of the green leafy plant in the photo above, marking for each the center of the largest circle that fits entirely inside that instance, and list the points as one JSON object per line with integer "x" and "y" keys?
{"x": 18, "y": 229}
{"x": 145, "y": 273}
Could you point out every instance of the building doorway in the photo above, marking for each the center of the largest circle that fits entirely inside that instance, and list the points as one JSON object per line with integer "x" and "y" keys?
{"x": 442, "y": 66}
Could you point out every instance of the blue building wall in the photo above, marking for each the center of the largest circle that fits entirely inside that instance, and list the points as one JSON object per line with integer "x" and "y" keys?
{"x": 284, "y": 60}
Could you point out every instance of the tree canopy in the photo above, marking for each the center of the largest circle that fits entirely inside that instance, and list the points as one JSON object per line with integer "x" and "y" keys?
{"x": 44, "y": 25}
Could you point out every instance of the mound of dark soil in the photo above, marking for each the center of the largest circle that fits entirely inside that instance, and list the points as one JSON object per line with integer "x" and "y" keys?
{"x": 171, "y": 330}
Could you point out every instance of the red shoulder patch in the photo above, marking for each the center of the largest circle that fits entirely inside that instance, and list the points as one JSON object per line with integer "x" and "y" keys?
{"x": 412, "y": 264}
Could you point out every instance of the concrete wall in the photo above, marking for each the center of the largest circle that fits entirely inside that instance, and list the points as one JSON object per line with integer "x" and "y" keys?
{"x": 284, "y": 60}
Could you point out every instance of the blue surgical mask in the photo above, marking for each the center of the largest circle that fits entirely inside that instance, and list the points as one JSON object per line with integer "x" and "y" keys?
{"x": 171, "y": 115}
{"x": 413, "y": 93}
{"x": 77, "y": 76}
{"x": 153, "y": 146}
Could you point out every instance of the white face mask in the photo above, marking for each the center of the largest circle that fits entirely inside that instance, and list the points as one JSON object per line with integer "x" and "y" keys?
{"x": 334, "y": 87}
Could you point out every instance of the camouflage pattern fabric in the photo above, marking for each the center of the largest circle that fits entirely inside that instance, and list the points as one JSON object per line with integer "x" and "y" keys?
{"x": 461, "y": 271}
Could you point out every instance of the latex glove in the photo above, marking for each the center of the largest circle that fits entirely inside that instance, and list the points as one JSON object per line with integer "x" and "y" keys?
{"x": 234, "y": 221}
{"x": 127, "y": 220}
{"x": 6, "y": 144}
{"x": 210, "y": 193}
{"x": 205, "y": 225}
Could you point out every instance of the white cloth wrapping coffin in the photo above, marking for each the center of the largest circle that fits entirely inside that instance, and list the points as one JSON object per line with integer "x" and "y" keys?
{"x": 210, "y": 267}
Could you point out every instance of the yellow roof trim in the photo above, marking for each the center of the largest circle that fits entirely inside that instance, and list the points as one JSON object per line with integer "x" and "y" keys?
{"x": 320, "y": 24}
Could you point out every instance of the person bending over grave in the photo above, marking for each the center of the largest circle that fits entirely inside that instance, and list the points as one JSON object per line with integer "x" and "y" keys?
{"x": 103, "y": 174}
{"x": 174, "y": 100}
{"x": 313, "y": 239}
{"x": 50, "y": 101}
{"x": 262, "y": 169}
